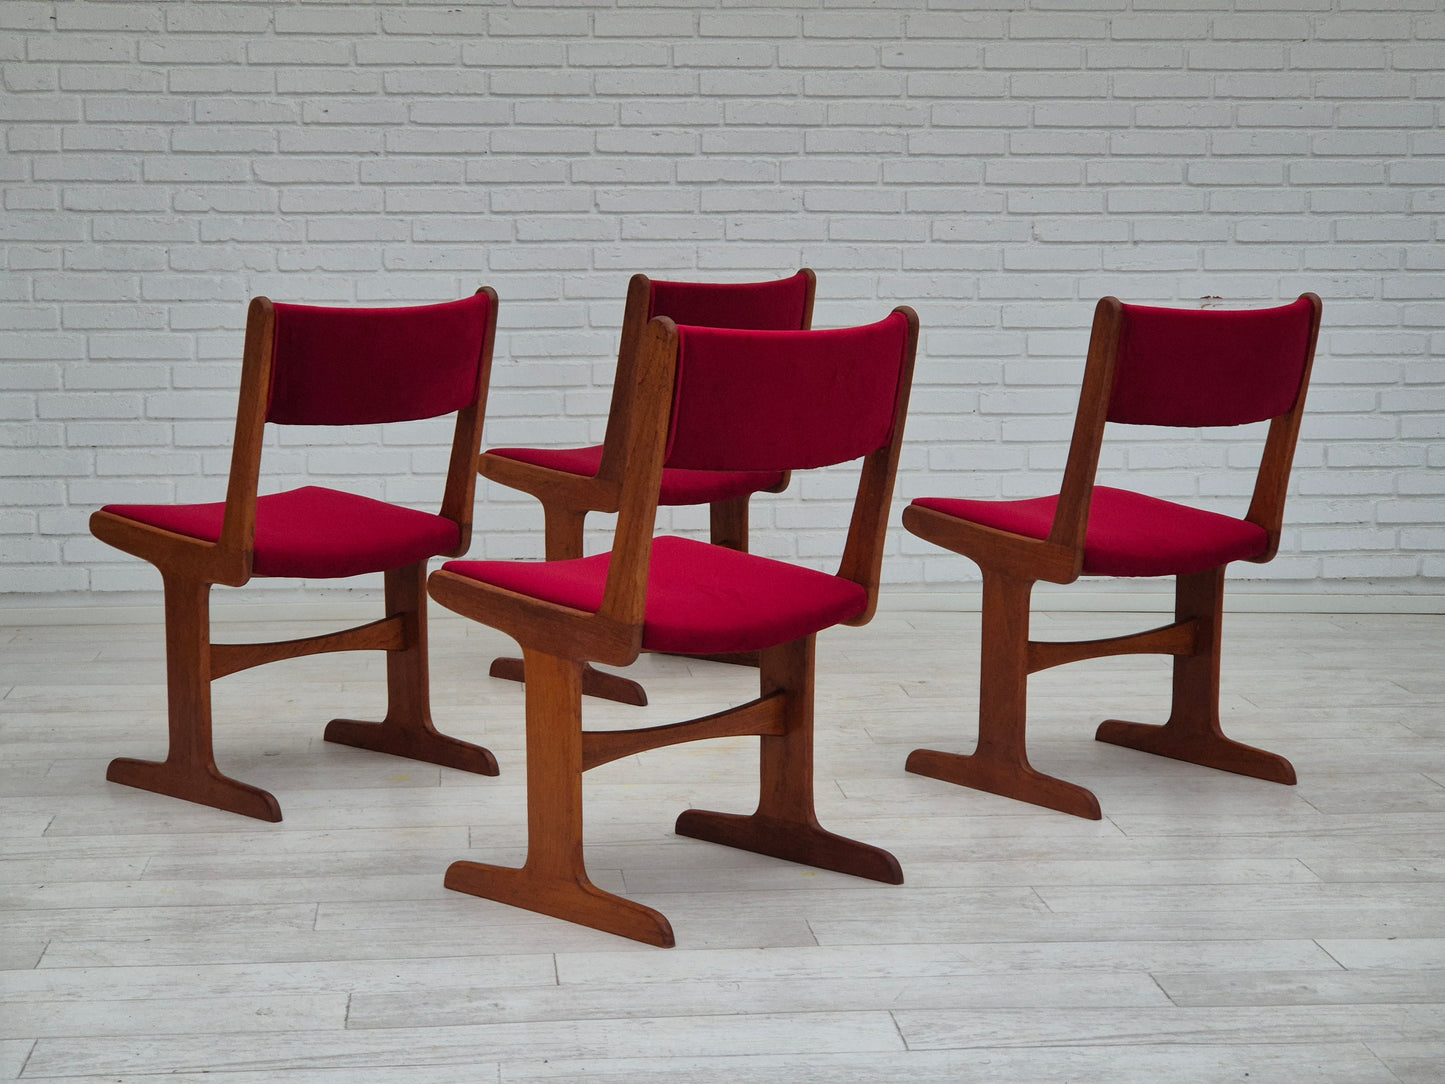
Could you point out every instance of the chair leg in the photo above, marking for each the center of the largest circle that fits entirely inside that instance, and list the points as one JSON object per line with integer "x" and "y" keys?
{"x": 554, "y": 879}
{"x": 1192, "y": 731}
{"x": 1000, "y": 763}
{"x": 189, "y": 770}
{"x": 785, "y": 824}
{"x": 407, "y": 730}
{"x": 562, "y": 541}
{"x": 728, "y": 523}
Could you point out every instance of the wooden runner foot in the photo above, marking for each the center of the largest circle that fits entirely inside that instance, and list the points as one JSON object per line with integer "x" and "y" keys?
{"x": 414, "y": 743}
{"x": 794, "y": 841}
{"x": 1198, "y": 747}
{"x": 578, "y": 900}
{"x": 1006, "y": 778}
{"x": 599, "y": 683}
{"x": 195, "y": 784}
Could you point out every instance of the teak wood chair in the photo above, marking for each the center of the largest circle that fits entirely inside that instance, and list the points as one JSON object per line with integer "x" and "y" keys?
{"x": 706, "y": 399}
{"x": 570, "y": 482}
{"x": 1146, "y": 366}
{"x": 317, "y": 366}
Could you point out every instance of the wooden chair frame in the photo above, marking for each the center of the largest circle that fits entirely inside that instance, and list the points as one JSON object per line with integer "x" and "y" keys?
{"x": 567, "y": 498}
{"x": 1011, "y": 564}
{"x": 558, "y": 641}
{"x": 190, "y": 566}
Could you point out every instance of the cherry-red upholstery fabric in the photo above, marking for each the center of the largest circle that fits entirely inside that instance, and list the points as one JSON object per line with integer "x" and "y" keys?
{"x": 701, "y": 599}
{"x": 679, "y": 487}
{"x": 784, "y": 400}
{"x": 315, "y": 532}
{"x": 777, "y": 305}
{"x": 1199, "y": 367}
{"x": 1129, "y": 534}
{"x": 360, "y": 366}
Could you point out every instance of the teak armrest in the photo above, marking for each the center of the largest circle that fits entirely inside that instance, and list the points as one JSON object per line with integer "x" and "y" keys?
{"x": 193, "y": 558}
{"x": 1035, "y": 558}
{"x": 547, "y": 485}
{"x": 539, "y": 625}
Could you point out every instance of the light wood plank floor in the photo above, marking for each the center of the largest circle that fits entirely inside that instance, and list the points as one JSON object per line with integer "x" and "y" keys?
{"x": 1210, "y": 928}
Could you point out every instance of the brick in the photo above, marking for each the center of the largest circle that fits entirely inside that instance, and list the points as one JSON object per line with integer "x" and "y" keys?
{"x": 541, "y": 83}
{"x": 125, "y": 110}
{"x": 227, "y": 199}
{"x": 1049, "y": 84}
{"x": 282, "y": 51}
{"x": 1265, "y": 85}
{"x": 326, "y": 20}
{"x": 221, "y": 139}
{"x": 1134, "y": 55}
{"x": 114, "y": 198}
{"x": 1357, "y": 84}
{"x": 330, "y": 200}
{"x": 460, "y": 82}
{"x": 656, "y": 84}
{"x": 90, "y": 78}
{"x": 312, "y": 140}
{"x": 930, "y": 54}
{"x": 217, "y": 80}
{"x": 1385, "y": 114}
{"x": 1013, "y": 56}
{"x": 1261, "y": 25}
{"x": 29, "y": 78}
{"x": 311, "y": 81}
{"x": 91, "y": 49}
{"x": 173, "y": 50}
{"x": 502, "y": 53}
{"x": 86, "y": 167}
{"x": 1161, "y": 85}
{"x": 725, "y": 55}
{"x": 1374, "y": 26}
{"x": 95, "y": 138}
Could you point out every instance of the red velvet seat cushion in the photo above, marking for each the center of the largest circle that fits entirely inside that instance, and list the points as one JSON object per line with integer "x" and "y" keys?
{"x": 1129, "y": 534}
{"x": 678, "y": 486}
{"x": 701, "y": 599}
{"x": 315, "y": 532}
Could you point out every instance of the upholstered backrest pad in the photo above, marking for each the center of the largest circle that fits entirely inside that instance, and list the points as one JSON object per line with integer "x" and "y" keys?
{"x": 358, "y": 366}
{"x": 1192, "y": 367}
{"x": 784, "y": 400}
{"x": 762, "y": 306}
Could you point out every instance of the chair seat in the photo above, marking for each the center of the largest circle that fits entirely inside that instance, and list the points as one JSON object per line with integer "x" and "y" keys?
{"x": 701, "y": 599}
{"x": 1129, "y": 534}
{"x": 315, "y": 532}
{"x": 679, "y": 487}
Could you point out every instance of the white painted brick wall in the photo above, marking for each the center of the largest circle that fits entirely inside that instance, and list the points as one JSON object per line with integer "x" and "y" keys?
{"x": 998, "y": 164}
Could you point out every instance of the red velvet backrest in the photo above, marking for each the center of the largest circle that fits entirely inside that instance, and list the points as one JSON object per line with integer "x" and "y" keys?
{"x": 784, "y": 400}
{"x": 777, "y": 306}
{"x": 1202, "y": 367}
{"x": 337, "y": 366}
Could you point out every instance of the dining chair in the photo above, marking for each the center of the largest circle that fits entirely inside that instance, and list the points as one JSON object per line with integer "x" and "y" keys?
{"x": 570, "y": 482}
{"x": 310, "y": 365}
{"x": 718, "y": 400}
{"x": 1146, "y": 366}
